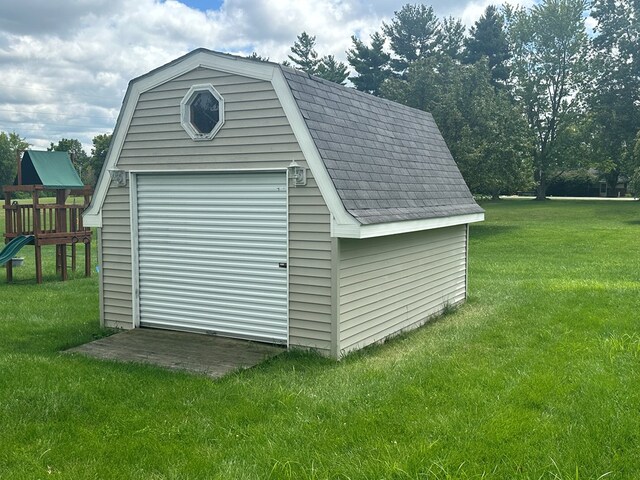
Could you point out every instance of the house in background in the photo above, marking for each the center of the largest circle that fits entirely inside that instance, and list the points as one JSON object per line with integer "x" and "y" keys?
{"x": 250, "y": 200}
{"x": 619, "y": 191}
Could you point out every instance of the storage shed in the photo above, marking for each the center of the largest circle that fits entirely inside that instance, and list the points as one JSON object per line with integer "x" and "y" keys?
{"x": 247, "y": 199}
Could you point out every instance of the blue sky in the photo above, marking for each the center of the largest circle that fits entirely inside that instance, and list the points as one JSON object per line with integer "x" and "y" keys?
{"x": 204, "y": 4}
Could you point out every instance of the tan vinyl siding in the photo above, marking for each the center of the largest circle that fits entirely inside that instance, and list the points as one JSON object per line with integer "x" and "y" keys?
{"x": 309, "y": 269}
{"x": 116, "y": 259}
{"x": 100, "y": 276}
{"x": 394, "y": 283}
{"x": 256, "y": 135}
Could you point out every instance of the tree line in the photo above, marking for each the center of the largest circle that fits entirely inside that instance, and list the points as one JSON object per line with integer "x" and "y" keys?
{"x": 88, "y": 166}
{"x": 523, "y": 98}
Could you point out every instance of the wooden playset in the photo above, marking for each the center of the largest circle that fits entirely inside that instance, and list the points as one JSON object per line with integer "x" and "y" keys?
{"x": 33, "y": 222}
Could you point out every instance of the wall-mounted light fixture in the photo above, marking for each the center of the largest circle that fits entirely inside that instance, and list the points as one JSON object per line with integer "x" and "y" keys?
{"x": 119, "y": 178}
{"x": 297, "y": 174}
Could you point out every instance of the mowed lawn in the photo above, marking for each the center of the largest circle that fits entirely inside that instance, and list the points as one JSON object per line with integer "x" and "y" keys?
{"x": 537, "y": 376}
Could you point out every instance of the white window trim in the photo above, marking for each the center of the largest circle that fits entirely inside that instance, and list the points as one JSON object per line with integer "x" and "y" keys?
{"x": 185, "y": 112}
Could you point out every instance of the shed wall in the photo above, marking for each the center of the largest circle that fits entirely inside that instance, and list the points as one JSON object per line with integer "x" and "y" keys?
{"x": 256, "y": 135}
{"x": 394, "y": 283}
{"x": 116, "y": 259}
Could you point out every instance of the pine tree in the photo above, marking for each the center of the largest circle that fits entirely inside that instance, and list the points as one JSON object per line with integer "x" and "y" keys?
{"x": 413, "y": 33}
{"x": 488, "y": 39}
{"x": 304, "y": 56}
{"x": 260, "y": 58}
{"x": 330, "y": 69}
{"x": 370, "y": 63}
{"x": 452, "y": 38}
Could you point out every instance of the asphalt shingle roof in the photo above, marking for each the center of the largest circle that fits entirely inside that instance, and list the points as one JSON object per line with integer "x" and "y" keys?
{"x": 388, "y": 162}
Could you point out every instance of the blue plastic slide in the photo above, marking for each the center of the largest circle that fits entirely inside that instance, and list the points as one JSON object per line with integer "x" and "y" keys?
{"x": 13, "y": 247}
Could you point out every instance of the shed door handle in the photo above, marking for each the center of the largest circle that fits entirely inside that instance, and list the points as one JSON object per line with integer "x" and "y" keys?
{"x": 282, "y": 265}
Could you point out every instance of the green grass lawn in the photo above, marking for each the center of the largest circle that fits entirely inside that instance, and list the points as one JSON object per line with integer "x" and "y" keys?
{"x": 537, "y": 376}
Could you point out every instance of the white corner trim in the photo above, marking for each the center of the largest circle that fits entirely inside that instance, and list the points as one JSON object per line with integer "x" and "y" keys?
{"x": 395, "y": 228}
{"x": 310, "y": 151}
{"x": 92, "y": 217}
{"x": 135, "y": 264}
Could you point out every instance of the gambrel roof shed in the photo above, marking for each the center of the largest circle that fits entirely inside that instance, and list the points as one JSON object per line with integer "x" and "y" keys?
{"x": 382, "y": 192}
{"x": 385, "y": 162}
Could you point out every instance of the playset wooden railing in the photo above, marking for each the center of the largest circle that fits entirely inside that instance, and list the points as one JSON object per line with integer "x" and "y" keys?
{"x": 58, "y": 223}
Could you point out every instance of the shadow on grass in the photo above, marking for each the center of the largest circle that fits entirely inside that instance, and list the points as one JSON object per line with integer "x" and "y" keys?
{"x": 633, "y": 222}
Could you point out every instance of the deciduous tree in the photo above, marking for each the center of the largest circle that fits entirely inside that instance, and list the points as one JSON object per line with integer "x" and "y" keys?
{"x": 10, "y": 143}
{"x": 79, "y": 157}
{"x": 494, "y": 152}
{"x": 614, "y": 100}
{"x": 98, "y": 155}
{"x": 549, "y": 48}
{"x": 487, "y": 135}
{"x": 634, "y": 179}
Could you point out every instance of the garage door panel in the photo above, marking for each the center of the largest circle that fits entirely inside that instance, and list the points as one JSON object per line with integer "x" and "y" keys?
{"x": 195, "y": 261}
{"x": 206, "y": 243}
{"x": 210, "y": 248}
{"x": 247, "y": 258}
{"x": 212, "y": 282}
{"x": 241, "y": 222}
{"x": 224, "y": 318}
{"x": 170, "y": 277}
{"x": 254, "y": 313}
{"x": 265, "y": 302}
{"x": 225, "y": 327}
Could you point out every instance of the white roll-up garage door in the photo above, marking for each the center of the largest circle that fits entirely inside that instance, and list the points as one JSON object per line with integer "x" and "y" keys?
{"x": 212, "y": 253}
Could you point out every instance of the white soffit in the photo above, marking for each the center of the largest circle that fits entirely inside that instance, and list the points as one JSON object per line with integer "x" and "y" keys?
{"x": 407, "y": 226}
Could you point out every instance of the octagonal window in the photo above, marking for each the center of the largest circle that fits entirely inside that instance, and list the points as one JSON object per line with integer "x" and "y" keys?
{"x": 202, "y": 112}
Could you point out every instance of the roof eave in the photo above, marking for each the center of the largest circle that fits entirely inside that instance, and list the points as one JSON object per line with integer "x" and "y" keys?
{"x": 395, "y": 228}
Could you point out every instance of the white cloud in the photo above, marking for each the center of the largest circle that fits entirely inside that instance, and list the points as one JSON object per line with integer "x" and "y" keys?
{"x": 65, "y": 65}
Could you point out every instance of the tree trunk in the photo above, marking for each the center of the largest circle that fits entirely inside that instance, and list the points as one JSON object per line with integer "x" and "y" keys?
{"x": 612, "y": 183}
{"x": 495, "y": 195}
{"x": 541, "y": 190}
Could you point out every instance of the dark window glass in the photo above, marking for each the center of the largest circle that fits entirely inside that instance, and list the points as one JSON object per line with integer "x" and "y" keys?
{"x": 205, "y": 112}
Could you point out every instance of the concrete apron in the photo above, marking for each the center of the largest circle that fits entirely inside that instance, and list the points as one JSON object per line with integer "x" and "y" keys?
{"x": 204, "y": 354}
